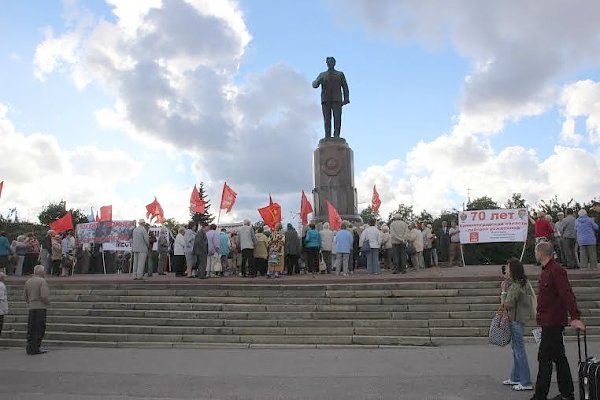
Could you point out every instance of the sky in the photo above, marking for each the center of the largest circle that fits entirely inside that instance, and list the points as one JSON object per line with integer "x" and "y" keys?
{"x": 116, "y": 102}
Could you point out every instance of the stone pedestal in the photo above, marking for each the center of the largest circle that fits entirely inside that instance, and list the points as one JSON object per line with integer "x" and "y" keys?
{"x": 334, "y": 180}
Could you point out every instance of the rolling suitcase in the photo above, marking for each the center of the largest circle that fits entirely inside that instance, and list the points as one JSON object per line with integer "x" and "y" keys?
{"x": 589, "y": 372}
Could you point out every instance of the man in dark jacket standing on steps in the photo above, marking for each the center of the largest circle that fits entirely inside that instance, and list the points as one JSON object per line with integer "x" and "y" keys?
{"x": 556, "y": 302}
{"x": 200, "y": 250}
{"x": 37, "y": 297}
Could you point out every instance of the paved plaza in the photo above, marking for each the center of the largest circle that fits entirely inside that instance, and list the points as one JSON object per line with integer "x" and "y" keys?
{"x": 414, "y": 373}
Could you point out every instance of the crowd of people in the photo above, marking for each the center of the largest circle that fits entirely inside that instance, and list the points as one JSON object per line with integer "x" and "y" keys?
{"x": 205, "y": 251}
{"x": 574, "y": 239}
{"x": 56, "y": 252}
{"x": 201, "y": 251}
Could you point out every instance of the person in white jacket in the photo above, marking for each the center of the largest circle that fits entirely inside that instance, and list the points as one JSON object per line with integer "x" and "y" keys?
{"x": 415, "y": 238}
{"x": 326, "y": 245}
{"x": 374, "y": 236}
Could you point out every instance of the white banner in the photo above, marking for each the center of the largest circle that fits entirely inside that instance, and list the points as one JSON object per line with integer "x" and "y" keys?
{"x": 116, "y": 246}
{"x": 488, "y": 226}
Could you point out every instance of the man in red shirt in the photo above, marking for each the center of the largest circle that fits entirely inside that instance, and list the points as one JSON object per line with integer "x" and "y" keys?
{"x": 556, "y": 302}
{"x": 543, "y": 229}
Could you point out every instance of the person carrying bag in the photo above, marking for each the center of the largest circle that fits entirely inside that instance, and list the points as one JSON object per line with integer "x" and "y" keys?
{"x": 516, "y": 299}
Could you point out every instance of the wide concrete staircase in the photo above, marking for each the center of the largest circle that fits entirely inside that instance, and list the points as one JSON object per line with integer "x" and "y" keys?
{"x": 255, "y": 315}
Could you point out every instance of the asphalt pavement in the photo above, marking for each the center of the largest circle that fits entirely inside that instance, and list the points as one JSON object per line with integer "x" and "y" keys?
{"x": 464, "y": 372}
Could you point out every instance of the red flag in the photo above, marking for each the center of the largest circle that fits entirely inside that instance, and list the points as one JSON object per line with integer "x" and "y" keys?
{"x": 335, "y": 221}
{"x": 375, "y": 201}
{"x": 155, "y": 210}
{"x": 196, "y": 203}
{"x": 271, "y": 214}
{"x": 228, "y": 198}
{"x": 1, "y": 186}
{"x": 106, "y": 213}
{"x": 305, "y": 209}
{"x": 64, "y": 223}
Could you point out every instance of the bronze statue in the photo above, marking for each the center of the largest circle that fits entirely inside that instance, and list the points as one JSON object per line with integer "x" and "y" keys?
{"x": 333, "y": 85}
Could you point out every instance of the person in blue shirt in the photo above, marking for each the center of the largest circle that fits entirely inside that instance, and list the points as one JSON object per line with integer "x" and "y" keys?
{"x": 4, "y": 252}
{"x": 343, "y": 243}
{"x": 586, "y": 229}
{"x": 312, "y": 244}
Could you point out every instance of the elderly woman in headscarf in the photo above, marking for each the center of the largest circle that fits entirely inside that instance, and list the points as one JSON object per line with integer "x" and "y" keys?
{"x": 276, "y": 249}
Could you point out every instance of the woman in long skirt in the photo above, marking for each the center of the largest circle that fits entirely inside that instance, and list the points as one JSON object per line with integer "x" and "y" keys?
{"x": 276, "y": 247}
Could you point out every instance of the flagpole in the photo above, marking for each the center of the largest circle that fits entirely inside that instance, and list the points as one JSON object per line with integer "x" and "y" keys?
{"x": 219, "y": 217}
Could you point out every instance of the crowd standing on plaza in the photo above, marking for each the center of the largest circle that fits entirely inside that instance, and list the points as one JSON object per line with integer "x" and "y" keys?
{"x": 203, "y": 251}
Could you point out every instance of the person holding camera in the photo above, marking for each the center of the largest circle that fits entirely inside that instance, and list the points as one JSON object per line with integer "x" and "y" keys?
{"x": 516, "y": 299}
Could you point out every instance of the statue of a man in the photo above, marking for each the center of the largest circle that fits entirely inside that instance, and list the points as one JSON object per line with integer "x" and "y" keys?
{"x": 333, "y": 85}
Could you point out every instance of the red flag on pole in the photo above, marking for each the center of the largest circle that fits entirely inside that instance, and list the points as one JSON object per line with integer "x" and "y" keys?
{"x": 155, "y": 210}
{"x": 64, "y": 223}
{"x": 1, "y": 186}
{"x": 227, "y": 198}
{"x": 375, "y": 201}
{"x": 197, "y": 205}
{"x": 335, "y": 221}
{"x": 271, "y": 214}
{"x": 105, "y": 213}
{"x": 305, "y": 209}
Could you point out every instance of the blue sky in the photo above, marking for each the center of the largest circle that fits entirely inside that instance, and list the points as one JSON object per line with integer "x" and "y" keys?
{"x": 98, "y": 106}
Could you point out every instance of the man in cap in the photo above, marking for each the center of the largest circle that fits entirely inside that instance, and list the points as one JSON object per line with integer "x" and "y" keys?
{"x": 37, "y": 297}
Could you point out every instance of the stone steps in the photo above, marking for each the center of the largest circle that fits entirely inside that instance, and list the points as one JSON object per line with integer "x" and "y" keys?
{"x": 315, "y": 315}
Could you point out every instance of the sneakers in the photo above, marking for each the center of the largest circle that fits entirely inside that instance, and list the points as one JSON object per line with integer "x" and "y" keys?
{"x": 510, "y": 382}
{"x": 520, "y": 387}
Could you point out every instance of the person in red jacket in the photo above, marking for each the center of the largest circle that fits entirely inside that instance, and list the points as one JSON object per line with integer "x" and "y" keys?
{"x": 556, "y": 303}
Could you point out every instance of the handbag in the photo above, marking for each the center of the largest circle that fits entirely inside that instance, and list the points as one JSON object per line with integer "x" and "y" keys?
{"x": 273, "y": 257}
{"x": 499, "y": 334}
{"x": 411, "y": 250}
{"x": 366, "y": 246}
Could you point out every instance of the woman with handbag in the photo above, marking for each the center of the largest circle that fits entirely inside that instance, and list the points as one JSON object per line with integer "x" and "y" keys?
{"x": 516, "y": 299}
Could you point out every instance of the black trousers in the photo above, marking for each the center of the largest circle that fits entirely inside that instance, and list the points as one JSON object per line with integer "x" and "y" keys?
{"x": 399, "y": 257}
{"x": 552, "y": 351}
{"x": 36, "y": 328}
{"x": 335, "y": 108}
{"x": 248, "y": 262}
{"x": 261, "y": 265}
{"x": 1, "y": 322}
{"x": 312, "y": 259}
{"x": 291, "y": 264}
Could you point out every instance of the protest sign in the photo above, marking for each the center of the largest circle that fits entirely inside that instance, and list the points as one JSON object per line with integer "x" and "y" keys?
{"x": 488, "y": 226}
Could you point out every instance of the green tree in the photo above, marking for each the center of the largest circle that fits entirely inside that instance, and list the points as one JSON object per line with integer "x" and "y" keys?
{"x": 406, "y": 213}
{"x": 367, "y": 214}
{"x": 516, "y": 201}
{"x": 425, "y": 216}
{"x": 54, "y": 211}
{"x": 206, "y": 217}
{"x": 172, "y": 225}
{"x": 482, "y": 203}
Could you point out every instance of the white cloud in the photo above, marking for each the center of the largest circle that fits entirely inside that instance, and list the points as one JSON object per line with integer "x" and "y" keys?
{"x": 517, "y": 49}
{"x": 172, "y": 69}
{"x": 582, "y": 99}
{"x": 37, "y": 170}
{"x": 437, "y": 174}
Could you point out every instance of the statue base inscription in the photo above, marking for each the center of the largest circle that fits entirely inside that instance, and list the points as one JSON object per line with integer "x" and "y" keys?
{"x": 334, "y": 180}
